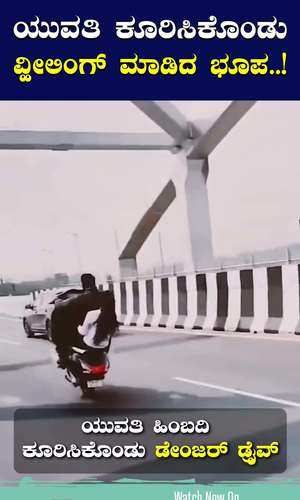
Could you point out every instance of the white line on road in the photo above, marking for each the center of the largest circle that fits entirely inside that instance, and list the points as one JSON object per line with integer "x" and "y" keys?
{"x": 241, "y": 393}
{"x": 12, "y": 342}
{"x": 277, "y": 337}
{"x": 9, "y": 318}
{"x": 9, "y": 400}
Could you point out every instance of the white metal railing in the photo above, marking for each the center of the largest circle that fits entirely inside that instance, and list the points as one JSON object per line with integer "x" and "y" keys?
{"x": 203, "y": 270}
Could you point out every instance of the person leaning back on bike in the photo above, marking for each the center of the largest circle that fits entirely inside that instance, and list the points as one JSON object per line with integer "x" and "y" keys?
{"x": 83, "y": 318}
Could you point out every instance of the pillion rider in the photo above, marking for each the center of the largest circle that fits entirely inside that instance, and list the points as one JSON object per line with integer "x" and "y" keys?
{"x": 71, "y": 325}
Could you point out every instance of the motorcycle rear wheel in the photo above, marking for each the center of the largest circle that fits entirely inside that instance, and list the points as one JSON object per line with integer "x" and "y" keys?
{"x": 88, "y": 392}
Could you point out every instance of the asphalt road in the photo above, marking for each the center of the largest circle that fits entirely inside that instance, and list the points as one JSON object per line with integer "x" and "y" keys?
{"x": 156, "y": 370}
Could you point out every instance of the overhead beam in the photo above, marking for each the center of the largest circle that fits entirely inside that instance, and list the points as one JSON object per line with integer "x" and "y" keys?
{"x": 148, "y": 222}
{"x": 167, "y": 117}
{"x": 205, "y": 145}
{"x": 94, "y": 141}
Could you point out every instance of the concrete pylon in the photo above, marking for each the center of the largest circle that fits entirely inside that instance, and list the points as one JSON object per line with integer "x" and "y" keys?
{"x": 188, "y": 187}
{"x": 189, "y": 178}
{"x": 127, "y": 259}
{"x": 128, "y": 267}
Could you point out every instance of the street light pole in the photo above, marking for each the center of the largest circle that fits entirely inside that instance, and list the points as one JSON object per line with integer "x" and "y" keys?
{"x": 117, "y": 242}
{"x": 161, "y": 250}
{"x": 48, "y": 269}
{"x": 77, "y": 251}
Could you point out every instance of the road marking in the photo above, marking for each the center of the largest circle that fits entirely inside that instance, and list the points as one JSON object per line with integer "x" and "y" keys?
{"x": 281, "y": 337}
{"x": 9, "y": 318}
{"x": 11, "y": 342}
{"x": 241, "y": 393}
{"x": 9, "y": 400}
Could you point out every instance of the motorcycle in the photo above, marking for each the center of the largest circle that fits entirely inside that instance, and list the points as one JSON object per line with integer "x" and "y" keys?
{"x": 87, "y": 368}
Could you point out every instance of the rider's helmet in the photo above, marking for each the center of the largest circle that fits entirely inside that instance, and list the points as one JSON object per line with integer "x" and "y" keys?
{"x": 88, "y": 281}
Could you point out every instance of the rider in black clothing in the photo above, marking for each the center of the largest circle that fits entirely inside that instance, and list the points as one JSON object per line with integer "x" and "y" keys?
{"x": 70, "y": 310}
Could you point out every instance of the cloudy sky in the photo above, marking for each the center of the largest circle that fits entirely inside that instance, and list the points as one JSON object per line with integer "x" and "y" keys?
{"x": 46, "y": 197}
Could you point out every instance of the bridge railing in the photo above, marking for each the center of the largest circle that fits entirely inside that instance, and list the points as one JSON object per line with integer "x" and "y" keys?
{"x": 259, "y": 298}
{"x": 177, "y": 270}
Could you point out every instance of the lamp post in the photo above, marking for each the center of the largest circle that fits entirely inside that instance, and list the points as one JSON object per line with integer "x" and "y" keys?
{"x": 162, "y": 260}
{"x": 77, "y": 251}
{"x": 48, "y": 255}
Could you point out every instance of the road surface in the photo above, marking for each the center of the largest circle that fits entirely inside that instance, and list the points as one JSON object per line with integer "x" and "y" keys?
{"x": 156, "y": 370}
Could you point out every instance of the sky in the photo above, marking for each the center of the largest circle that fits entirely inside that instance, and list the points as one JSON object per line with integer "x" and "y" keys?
{"x": 47, "y": 196}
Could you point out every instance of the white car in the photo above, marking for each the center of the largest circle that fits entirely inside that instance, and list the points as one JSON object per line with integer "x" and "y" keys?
{"x": 37, "y": 314}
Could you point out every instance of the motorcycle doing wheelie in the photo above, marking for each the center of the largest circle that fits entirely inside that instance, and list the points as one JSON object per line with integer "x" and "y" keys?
{"x": 83, "y": 348}
{"x": 87, "y": 365}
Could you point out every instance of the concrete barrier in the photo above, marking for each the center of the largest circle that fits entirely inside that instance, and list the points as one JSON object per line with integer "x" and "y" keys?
{"x": 264, "y": 299}
{"x": 258, "y": 300}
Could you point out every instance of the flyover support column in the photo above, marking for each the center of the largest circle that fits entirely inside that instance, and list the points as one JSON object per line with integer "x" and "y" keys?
{"x": 128, "y": 267}
{"x": 190, "y": 176}
{"x": 127, "y": 259}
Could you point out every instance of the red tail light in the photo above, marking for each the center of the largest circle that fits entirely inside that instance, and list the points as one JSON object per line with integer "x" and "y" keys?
{"x": 99, "y": 370}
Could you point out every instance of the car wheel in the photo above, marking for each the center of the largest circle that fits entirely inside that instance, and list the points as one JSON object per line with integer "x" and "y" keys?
{"x": 28, "y": 330}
